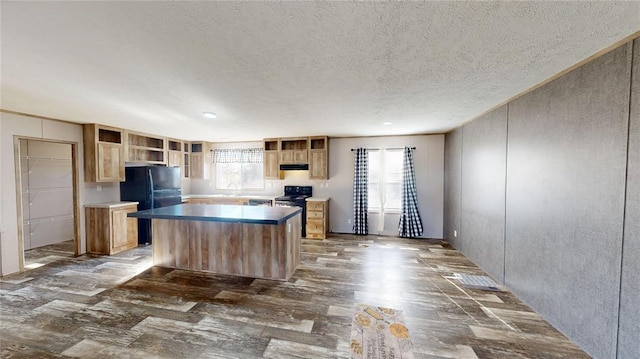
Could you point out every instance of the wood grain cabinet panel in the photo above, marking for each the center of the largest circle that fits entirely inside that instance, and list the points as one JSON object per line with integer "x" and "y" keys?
{"x": 145, "y": 148}
{"x": 103, "y": 153}
{"x": 317, "y": 224}
{"x": 200, "y": 157}
{"x": 244, "y": 249}
{"x": 313, "y": 151}
{"x": 318, "y": 157}
{"x": 271, "y": 165}
{"x": 109, "y": 230}
{"x": 238, "y": 201}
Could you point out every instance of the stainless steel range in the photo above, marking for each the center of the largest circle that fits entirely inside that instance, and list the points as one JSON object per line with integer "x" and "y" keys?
{"x": 296, "y": 196}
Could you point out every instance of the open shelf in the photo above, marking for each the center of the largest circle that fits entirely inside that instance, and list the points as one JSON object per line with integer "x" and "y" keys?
{"x": 146, "y": 141}
{"x": 293, "y": 144}
{"x": 271, "y": 144}
{"x": 174, "y": 145}
{"x": 196, "y": 147}
{"x": 145, "y": 155}
{"x": 111, "y": 136}
{"x": 318, "y": 143}
{"x": 146, "y": 148}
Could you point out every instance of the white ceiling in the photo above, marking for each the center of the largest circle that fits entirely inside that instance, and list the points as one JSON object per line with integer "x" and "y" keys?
{"x": 279, "y": 69}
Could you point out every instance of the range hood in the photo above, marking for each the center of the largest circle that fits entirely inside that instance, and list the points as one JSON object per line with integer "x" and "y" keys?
{"x": 295, "y": 167}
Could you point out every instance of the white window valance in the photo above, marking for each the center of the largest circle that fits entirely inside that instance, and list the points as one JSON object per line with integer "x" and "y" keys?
{"x": 238, "y": 155}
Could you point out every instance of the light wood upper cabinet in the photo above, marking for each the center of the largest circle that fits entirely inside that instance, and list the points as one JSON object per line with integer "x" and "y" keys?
{"x": 186, "y": 159}
{"x": 200, "y": 157}
{"x": 271, "y": 158}
{"x": 313, "y": 151}
{"x": 174, "y": 153}
{"x": 294, "y": 150}
{"x": 144, "y": 148}
{"x": 318, "y": 157}
{"x": 103, "y": 153}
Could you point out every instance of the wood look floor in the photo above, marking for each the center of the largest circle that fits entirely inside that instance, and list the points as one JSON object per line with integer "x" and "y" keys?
{"x": 121, "y": 307}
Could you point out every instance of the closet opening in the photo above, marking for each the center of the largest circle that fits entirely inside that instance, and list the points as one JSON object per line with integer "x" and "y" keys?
{"x": 47, "y": 183}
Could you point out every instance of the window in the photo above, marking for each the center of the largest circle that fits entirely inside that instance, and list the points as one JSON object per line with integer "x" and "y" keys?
{"x": 239, "y": 176}
{"x": 239, "y": 168}
{"x": 385, "y": 180}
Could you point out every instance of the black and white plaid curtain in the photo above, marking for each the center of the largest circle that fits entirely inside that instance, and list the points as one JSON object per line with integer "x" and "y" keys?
{"x": 360, "y": 189}
{"x": 410, "y": 221}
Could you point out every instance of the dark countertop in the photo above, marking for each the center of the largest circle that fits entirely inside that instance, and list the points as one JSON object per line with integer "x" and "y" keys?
{"x": 221, "y": 213}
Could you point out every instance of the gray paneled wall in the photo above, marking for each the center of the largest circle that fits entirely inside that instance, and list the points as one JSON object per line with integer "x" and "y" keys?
{"x": 565, "y": 147}
{"x": 452, "y": 187}
{"x": 565, "y": 199}
{"x": 483, "y": 190}
{"x": 628, "y": 340}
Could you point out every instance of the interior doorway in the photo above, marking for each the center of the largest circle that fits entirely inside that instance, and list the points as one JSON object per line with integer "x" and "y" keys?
{"x": 47, "y": 201}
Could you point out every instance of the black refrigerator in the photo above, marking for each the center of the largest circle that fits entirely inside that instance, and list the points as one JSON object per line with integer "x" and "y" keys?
{"x": 153, "y": 187}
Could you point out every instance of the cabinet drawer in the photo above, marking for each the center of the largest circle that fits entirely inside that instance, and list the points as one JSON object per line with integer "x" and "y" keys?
{"x": 315, "y": 235}
{"x": 315, "y": 206}
{"x": 315, "y": 226}
{"x": 313, "y": 214}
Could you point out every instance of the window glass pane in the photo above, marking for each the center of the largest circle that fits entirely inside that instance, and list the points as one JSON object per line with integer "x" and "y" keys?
{"x": 228, "y": 175}
{"x": 374, "y": 180}
{"x": 393, "y": 194}
{"x": 393, "y": 163}
{"x": 239, "y": 176}
{"x": 374, "y": 166}
{"x": 374, "y": 196}
{"x": 252, "y": 176}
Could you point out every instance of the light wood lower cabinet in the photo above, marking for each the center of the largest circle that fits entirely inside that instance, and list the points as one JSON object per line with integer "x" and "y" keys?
{"x": 317, "y": 225}
{"x": 238, "y": 201}
{"x": 108, "y": 228}
{"x": 270, "y": 251}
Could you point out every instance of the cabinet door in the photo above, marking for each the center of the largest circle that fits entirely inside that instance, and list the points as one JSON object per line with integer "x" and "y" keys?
{"x": 175, "y": 159}
{"x": 271, "y": 168}
{"x": 286, "y": 156}
{"x": 300, "y": 156}
{"x": 110, "y": 164}
{"x": 119, "y": 233}
{"x": 132, "y": 230}
{"x": 318, "y": 164}
{"x": 197, "y": 165}
{"x": 124, "y": 230}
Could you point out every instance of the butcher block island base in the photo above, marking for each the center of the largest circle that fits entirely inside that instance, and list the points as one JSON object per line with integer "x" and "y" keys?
{"x": 248, "y": 241}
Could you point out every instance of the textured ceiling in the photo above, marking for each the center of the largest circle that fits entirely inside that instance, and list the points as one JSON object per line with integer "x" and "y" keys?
{"x": 276, "y": 69}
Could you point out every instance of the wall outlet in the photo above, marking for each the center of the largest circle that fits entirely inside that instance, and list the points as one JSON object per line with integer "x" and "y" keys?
{"x": 348, "y": 220}
{"x": 455, "y": 233}
{"x": 99, "y": 188}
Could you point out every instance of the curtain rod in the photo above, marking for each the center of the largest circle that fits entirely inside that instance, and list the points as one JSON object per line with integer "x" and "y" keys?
{"x": 386, "y": 148}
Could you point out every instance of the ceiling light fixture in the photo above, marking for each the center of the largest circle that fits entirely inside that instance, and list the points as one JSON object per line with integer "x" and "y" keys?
{"x": 209, "y": 115}
{"x": 386, "y": 123}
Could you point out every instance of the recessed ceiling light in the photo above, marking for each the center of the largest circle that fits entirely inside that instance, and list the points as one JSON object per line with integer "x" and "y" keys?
{"x": 386, "y": 123}
{"x": 209, "y": 114}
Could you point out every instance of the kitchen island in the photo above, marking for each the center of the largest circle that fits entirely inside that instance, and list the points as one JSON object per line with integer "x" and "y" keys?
{"x": 248, "y": 241}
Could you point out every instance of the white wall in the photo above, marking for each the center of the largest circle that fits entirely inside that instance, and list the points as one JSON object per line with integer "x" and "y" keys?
{"x": 13, "y": 126}
{"x": 429, "y": 166}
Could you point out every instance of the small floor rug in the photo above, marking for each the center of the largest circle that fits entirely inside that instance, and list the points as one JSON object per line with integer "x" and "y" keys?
{"x": 379, "y": 333}
{"x": 477, "y": 281}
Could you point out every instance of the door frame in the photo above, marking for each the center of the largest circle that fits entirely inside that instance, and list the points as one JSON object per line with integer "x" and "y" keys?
{"x": 75, "y": 190}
